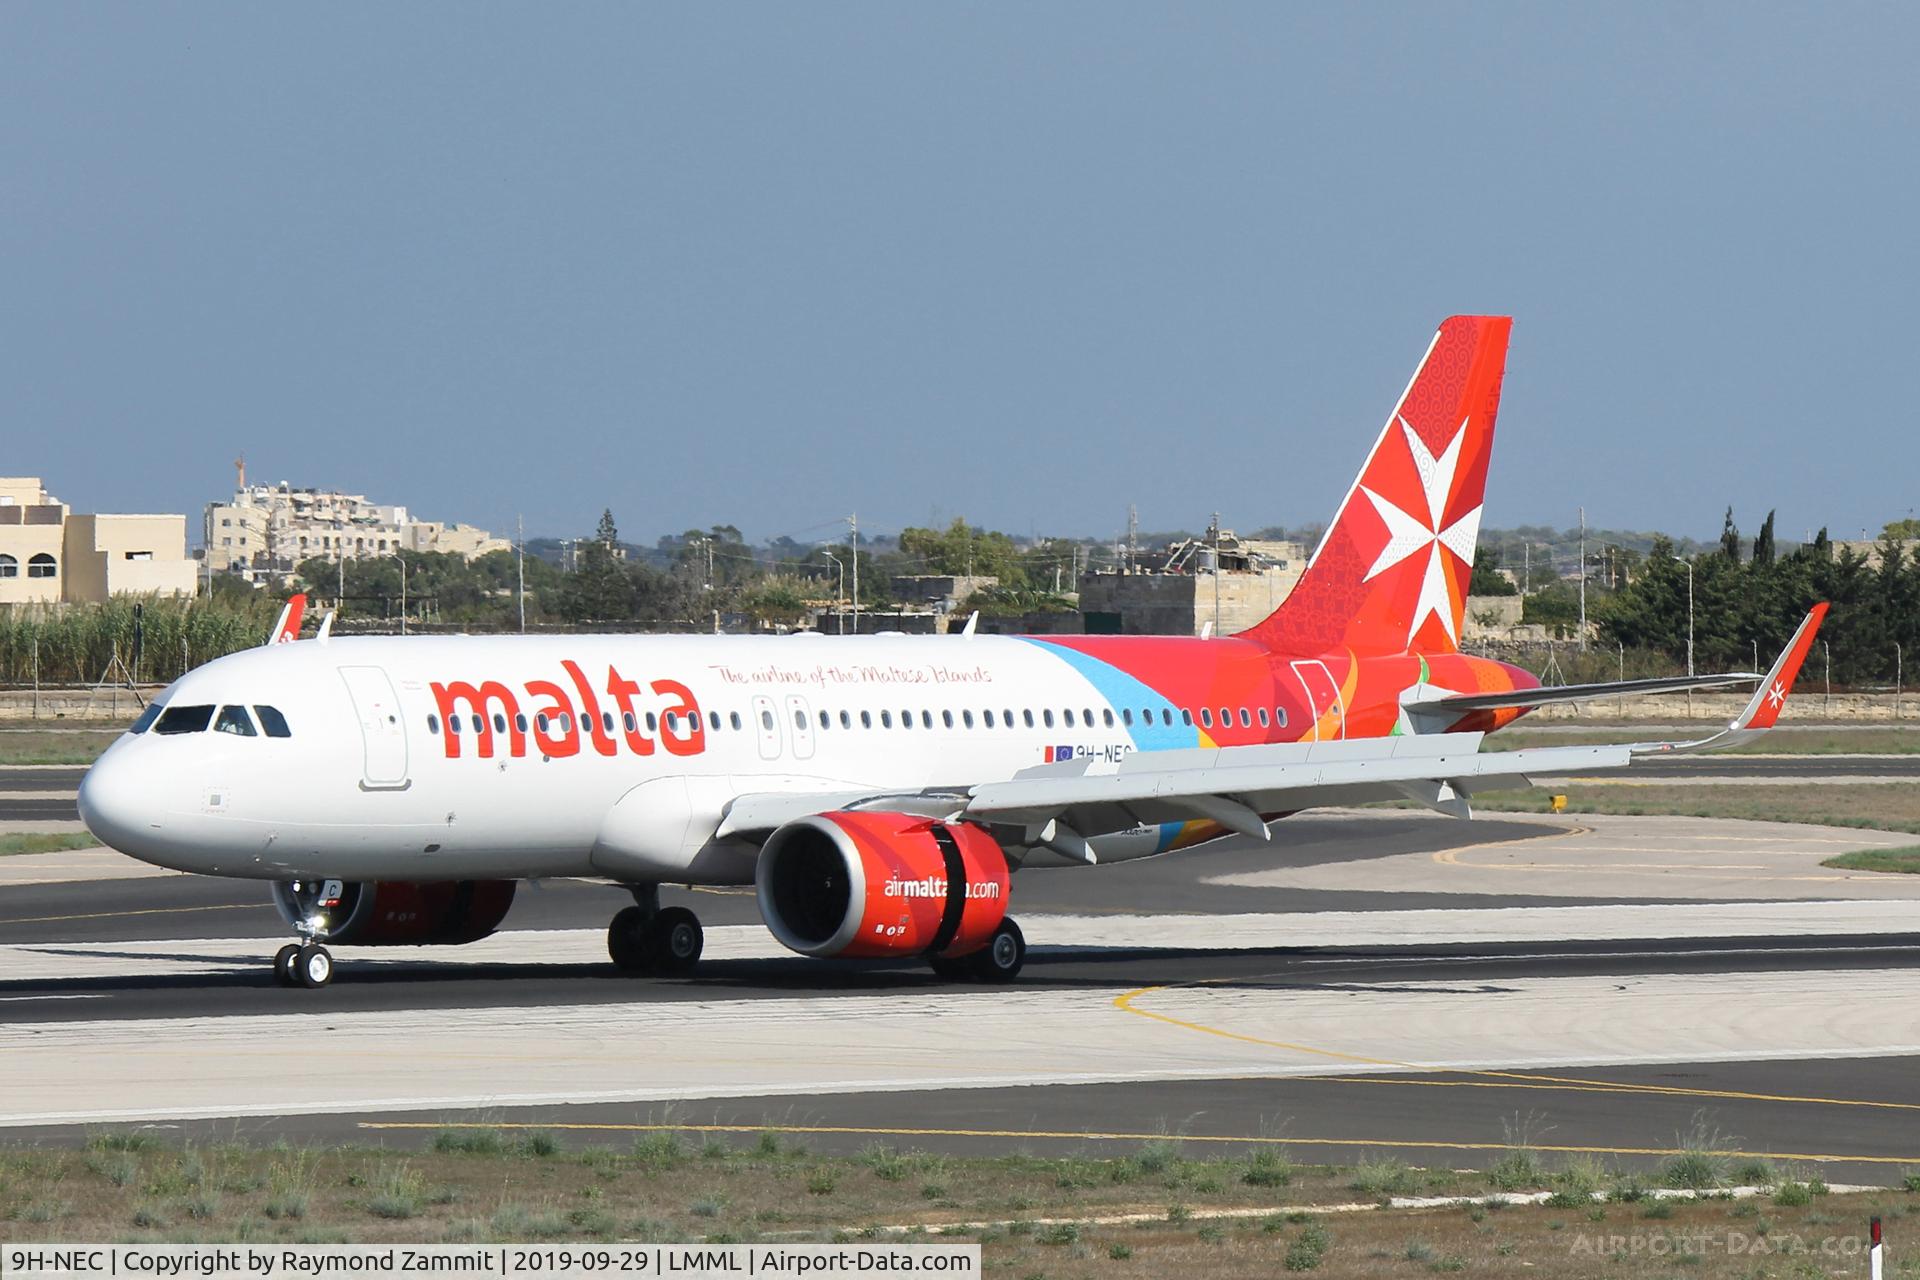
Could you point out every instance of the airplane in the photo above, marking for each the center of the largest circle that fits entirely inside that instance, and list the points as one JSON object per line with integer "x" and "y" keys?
{"x": 879, "y": 791}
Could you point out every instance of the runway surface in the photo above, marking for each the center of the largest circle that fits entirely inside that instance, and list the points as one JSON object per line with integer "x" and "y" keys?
{"x": 1371, "y": 982}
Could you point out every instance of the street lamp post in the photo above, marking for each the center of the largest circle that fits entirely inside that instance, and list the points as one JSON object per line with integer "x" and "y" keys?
{"x": 839, "y": 591}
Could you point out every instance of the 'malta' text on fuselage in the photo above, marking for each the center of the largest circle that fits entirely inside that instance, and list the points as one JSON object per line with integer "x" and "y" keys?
{"x": 662, "y": 715}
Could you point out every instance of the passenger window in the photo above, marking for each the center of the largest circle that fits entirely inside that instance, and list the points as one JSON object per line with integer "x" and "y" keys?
{"x": 147, "y": 717}
{"x": 1066, "y": 717}
{"x": 234, "y": 720}
{"x": 1206, "y": 717}
{"x": 1046, "y": 716}
{"x": 1246, "y": 721}
{"x": 766, "y": 719}
{"x": 1026, "y": 717}
{"x": 566, "y": 723}
{"x": 1186, "y": 716}
{"x": 272, "y": 722}
{"x": 1086, "y": 716}
{"x": 799, "y": 718}
{"x": 846, "y": 720}
{"x": 733, "y": 718}
{"x": 926, "y": 718}
{"x": 1106, "y": 716}
{"x": 1126, "y": 714}
{"x": 966, "y": 718}
{"x": 628, "y": 722}
{"x": 179, "y": 719}
{"x": 946, "y": 718}
{"x": 906, "y": 719}
{"x": 541, "y": 722}
{"x": 825, "y": 721}
{"x": 433, "y": 724}
{"x": 499, "y": 722}
{"x": 653, "y": 723}
{"x": 479, "y": 725}
{"x": 1280, "y": 716}
{"x": 1166, "y": 715}
{"x": 713, "y": 719}
{"x": 520, "y": 721}
{"x": 886, "y": 719}
{"x": 606, "y": 721}
{"x": 987, "y": 717}
{"x": 1007, "y": 718}
{"x": 453, "y": 725}
{"x": 866, "y": 719}
{"x": 1263, "y": 717}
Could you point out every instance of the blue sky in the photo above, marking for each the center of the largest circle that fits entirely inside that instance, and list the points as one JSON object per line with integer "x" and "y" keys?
{"x": 1025, "y": 263}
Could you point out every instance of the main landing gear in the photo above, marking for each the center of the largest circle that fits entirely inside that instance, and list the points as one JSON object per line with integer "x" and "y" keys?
{"x": 999, "y": 961}
{"x": 647, "y": 938}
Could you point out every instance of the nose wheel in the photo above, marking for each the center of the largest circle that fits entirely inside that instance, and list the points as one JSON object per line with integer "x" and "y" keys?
{"x": 649, "y": 939}
{"x": 308, "y": 965}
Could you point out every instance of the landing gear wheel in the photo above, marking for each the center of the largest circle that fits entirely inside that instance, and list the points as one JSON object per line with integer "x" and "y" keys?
{"x": 677, "y": 940}
{"x": 1001, "y": 959}
{"x": 630, "y": 940}
{"x": 952, "y": 968}
{"x": 283, "y": 975}
{"x": 313, "y": 966}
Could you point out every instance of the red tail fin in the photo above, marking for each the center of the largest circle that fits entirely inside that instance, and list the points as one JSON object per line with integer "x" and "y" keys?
{"x": 1391, "y": 573}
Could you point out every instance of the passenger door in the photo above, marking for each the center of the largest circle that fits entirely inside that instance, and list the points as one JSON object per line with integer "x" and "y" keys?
{"x": 383, "y": 731}
{"x": 1323, "y": 698}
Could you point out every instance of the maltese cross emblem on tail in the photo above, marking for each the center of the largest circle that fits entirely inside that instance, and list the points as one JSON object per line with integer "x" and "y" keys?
{"x": 1417, "y": 532}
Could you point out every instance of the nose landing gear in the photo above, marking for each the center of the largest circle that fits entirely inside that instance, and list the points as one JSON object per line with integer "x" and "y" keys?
{"x": 646, "y": 938}
{"x": 306, "y": 963}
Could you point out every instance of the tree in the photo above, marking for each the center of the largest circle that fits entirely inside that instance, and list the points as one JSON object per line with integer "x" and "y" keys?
{"x": 1763, "y": 543}
{"x": 1487, "y": 579}
{"x": 1901, "y": 530}
{"x": 1730, "y": 539}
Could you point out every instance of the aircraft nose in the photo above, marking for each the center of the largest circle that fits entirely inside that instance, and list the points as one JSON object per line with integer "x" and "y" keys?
{"x": 117, "y": 803}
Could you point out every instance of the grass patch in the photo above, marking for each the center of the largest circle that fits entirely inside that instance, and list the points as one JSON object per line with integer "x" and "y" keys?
{"x": 45, "y": 842}
{"x": 80, "y": 745}
{"x": 1874, "y": 806}
{"x": 1899, "y": 861}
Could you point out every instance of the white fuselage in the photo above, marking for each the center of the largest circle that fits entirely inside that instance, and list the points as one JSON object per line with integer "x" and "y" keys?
{"x": 580, "y": 755}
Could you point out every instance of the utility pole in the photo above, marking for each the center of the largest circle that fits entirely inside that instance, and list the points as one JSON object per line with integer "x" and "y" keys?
{"x": 853, "y": 537}
{"x": 403, "y": 591}
{"x": 1689, "y": 617}
{"x": 1133, "y": 536}
{"x": 1213, "y": 531}
{"x": 1583, "y": 582}
{"x": 520, "y": 568}
{"x": 1896, "y": 675}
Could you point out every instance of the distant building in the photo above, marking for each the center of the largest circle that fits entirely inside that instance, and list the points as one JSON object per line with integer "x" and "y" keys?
{"x": 1870, "y": 550}
{"x": 48, "y": 555}
{"x": 267, "y": 530}
{"x": 1221, "y": 581}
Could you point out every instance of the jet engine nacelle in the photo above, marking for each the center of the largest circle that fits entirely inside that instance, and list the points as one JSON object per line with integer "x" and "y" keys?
{"x": 396, "y": 913}
{"x": 858, "y": 883}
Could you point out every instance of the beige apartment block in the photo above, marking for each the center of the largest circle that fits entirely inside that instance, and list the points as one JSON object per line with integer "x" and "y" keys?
{"x": 48, "y": 555}
{"x": 266, "y": 530}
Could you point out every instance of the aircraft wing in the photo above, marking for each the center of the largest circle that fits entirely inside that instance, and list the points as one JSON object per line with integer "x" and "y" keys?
{"x": 1061, "y": 805}
{"x": 1442, "y": 701}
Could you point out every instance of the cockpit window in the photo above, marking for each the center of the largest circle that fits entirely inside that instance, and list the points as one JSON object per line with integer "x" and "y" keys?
{"x": 147, "y": 717}
{"x": 234, "y": 720}
{"x": 184, "y": 719}
{"x": 273, "y": 722}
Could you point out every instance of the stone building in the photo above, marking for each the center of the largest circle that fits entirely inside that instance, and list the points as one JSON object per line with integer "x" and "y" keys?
{"x": 49, "y": 555}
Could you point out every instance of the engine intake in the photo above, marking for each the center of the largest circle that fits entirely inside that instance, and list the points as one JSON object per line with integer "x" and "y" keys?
{"x": 860, "y": 883}
{"x": 384, "y": 913}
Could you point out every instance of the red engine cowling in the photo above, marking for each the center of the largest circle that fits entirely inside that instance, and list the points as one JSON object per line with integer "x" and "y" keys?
{"x": 395, "y": 913}
{"x": 855, "y": 883}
